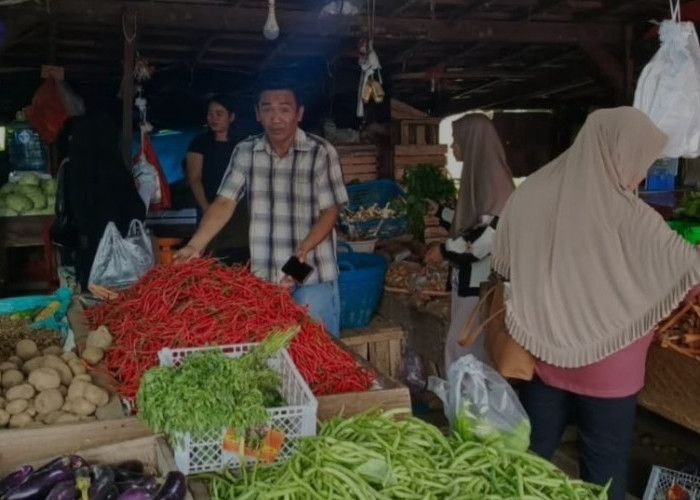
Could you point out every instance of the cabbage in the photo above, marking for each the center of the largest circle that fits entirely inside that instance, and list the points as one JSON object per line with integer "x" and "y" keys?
{"x": 2, "y": 201}
{"x": 27, "y": 190}
{"x": 7, "y": 212}
{"x": 19, "y": 203}
{"x": 48, "y": 186}
{"x": 33, "y": 211}
{"x": 7, "y": 188}
{"x": 28, "y": 179}
{"x": 38, "y": 200}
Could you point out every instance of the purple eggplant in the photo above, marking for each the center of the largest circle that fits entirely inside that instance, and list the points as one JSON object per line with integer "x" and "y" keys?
{"x": 63, "y": 491}
{"x": 102, "y": 482}
{"x": 15, "y": 479}
{"x": 137, "y": 493}
{"x": 40, "y": 483}
{"x": 56, "y": 463}
{"x": 147, "y": 482}
{"x": 174, "y": 487}
{"x": 76, "y": 462}
{"x": 126, "y": 476}
{"x": 135, "y": 466}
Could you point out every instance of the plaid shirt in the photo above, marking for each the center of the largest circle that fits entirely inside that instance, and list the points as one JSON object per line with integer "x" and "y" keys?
{"x": 285, "y": 198}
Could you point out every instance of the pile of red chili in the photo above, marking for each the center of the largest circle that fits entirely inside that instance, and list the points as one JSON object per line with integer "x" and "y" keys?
{"x": 205, "y": 303}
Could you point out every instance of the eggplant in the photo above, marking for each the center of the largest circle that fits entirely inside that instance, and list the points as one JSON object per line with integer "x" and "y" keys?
{"x": 83, "y": 482}
{"x": 126, "y": 476}
{"x": 56, "y": 463}
{"x": 76, "y": 462}
{"x": 174, "y": 487}
{"x": 148, "y": 482}
{"x": 15, "y": 479}
{"x": 63, "y": 491}
{"x": 137, "y": 493}
{"x": 135, "y": 466}
{"x": 40, "y": 483}
{"x": 102, "y": 482}
{"x": 113, "y": 493}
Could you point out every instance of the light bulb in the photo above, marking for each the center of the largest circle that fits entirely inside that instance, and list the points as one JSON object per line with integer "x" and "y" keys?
{"x": 271, "y": 30}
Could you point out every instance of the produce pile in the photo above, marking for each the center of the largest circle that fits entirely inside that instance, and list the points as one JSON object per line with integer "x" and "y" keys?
{"x": 14, "y": 328}
{"x": 203, "y": 303}
{"x": 372, "y": 456}
{"x": 46, "y": 387}
{"x": 681, "y": 330}
{"x": 412, "y": 277}
{"x": 70, "y": 477}
{"x": 211, "y": 391}
{"x": 28, "y": 194}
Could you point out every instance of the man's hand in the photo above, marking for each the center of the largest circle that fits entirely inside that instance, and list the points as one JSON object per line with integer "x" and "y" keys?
{"x": 186, "y": 254}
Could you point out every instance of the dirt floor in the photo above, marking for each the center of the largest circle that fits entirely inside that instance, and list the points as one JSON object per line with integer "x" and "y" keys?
{"x": 657, "y": 442}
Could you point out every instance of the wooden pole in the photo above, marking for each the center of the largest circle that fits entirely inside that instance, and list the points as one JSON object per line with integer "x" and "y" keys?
{"x": 629, "y": 66}
{"x": 129, "y": 23}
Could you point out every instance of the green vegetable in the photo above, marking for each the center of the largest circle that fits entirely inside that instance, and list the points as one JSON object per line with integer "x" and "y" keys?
{"x": 7, "y": 188}
{"x": 28, "y": 179}
{"x": 426, "y": 182}
{"x": 17, "y": 202}
{"x": 211, "y": 391}
{"x": 7, "y": 212}
{"x": 374, "y": 457}
{"x": 48, "y": 186}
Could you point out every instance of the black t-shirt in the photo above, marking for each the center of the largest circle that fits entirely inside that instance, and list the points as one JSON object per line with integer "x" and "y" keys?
{"x": 216, "y": 156}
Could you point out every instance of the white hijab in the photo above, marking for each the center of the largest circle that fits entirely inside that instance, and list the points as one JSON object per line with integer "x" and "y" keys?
{"x": 592, "y": 267}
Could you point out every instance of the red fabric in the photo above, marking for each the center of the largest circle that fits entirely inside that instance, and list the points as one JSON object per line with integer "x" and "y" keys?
{"x": 152, "y": 158}
{"x": 47, "y": 113}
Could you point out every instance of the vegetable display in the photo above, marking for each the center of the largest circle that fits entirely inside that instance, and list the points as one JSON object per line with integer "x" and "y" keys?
{"x": 46, "y": 387}
{"x": 372, "y": 456}
{"x": 17, "y": 327}
{"x": 203, "y": 303}
{"x": 210, "y": 391}
{"x": 70, "y": 477}
{"x": 681, "y": 330}
{"x": 426, "y": 182}
{"x": 29, "y": 194}
{"x": 413, "y": 277}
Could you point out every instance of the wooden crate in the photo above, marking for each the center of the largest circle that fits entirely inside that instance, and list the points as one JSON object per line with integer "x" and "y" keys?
{"x": 387, "y": 394}
{"x": 25, "y": 446}
{"x": 400, "y": 111}
{"x": 358, "y": 162}
{"x": 417, "y": 131}
{"x": 379, "y": 344}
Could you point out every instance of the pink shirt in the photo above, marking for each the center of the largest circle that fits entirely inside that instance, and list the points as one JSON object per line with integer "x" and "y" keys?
{"x": 619, "y": 375}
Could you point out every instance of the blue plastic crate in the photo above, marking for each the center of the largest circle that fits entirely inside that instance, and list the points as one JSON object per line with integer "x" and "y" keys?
{"x": 361, "y": 283}
{"x": 379, "y": 193}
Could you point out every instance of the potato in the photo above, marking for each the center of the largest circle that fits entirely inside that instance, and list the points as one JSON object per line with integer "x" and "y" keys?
{"x": 76, "y": 389}
{"x": 63, "y": 390}
{"x": 82, "y": 406}
{"x": 34, "y": 424}
{"x": 68, "y": 355}
{"x": 85, "y": 377}
{"x": 4, "y": 418}
{"x": 52, "y": 361}
{"x": 16, "y": 360}
{"x": 67, "y": 406}
{"x": 32, "y": 364}
{"x": 20, "y": 420}
{"x": 54, "y": 349}
{"x": 3, "y": 402}
{"x": 96, "y": 395}
{"x": 93, "y": 355}
{"x": 21, "y": 391}
{"x": 100, "y": 338}
{"x": 77, "y": 367}
{"x": 7, "y": 365}
{"x": 48, "y": 401}
{"x": 27, "y": 349}
{"x": 44, "y": 378}
{"x": 67, "y": 418}
{"x": 50, "y": 418}
{"x": 12, "y": 378}
{"x": 30, "y": 409}
{"x": 17, "y": 406}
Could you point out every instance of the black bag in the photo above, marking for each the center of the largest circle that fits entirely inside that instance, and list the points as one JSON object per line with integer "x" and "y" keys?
{"x": 63, "y": 230}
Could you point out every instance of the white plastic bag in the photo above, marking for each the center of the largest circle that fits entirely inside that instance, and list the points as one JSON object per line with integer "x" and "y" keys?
{"x": 668, "y": 90}
{"x": 481, "y": 405}
{"x": 120, "y": 262}
{"x": 146, "y": 178}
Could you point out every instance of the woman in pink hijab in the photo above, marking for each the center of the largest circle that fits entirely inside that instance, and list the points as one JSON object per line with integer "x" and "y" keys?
{"x": 485, "y": 185}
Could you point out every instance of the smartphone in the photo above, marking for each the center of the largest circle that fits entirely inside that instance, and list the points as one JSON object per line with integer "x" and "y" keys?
{"x": 297, "y": 269}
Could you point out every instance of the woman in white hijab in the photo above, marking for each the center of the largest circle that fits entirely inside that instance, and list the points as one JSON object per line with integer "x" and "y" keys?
{"x": 485, "y": 185}
{"x": 592, "y": 269}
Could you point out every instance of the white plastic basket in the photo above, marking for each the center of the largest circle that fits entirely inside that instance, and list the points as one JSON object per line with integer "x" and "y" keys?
{"x": 662, "y": 479}
{"x": 363, "y": 246}
{"x": 295, "y": 420}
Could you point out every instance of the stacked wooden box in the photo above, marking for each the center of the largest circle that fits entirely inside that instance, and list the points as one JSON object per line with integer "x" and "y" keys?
{"x": 417, "y": 142}
{"x": 434, "y": 232}
{"x": 358, "y": 162}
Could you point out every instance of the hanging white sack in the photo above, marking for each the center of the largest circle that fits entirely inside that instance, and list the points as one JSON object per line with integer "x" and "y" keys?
{"x": 668, "y": 90}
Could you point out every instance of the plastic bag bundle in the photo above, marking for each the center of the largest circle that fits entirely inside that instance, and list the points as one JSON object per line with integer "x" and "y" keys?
{"x": 668, "y": 90}
{"x": 120, "y": 262}
{"x": 481, "y": 405}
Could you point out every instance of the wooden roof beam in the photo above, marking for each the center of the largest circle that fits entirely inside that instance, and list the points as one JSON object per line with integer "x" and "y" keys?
{"x": 226, "y": 18}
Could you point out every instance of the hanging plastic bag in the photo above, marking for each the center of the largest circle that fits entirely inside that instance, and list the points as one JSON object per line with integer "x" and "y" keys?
{"x": 46, "y": 114}
{"x": 150, "y": 180}
{"x": 120, "y": 262}
{"x": 668, "y": 90}
{"x": 481, "y": 405}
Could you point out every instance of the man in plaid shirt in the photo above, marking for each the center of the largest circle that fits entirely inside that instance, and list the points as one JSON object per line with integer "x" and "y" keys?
{"x": 294, "y": 187}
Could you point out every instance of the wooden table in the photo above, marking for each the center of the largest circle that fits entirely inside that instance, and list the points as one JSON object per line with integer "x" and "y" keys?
{"x": 23, "y": 231}
{"x": 672, "y": 388}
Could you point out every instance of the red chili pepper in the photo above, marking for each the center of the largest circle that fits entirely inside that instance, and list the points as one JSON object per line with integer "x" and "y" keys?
{"x": 205, "y": 303}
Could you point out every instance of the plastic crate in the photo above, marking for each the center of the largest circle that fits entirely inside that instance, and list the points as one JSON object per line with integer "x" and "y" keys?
{"x": 296, "y": 419}
{"x": 662, "y": 479}
{"x": 379, "y": 193}
{"x": 361, "y": 283}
